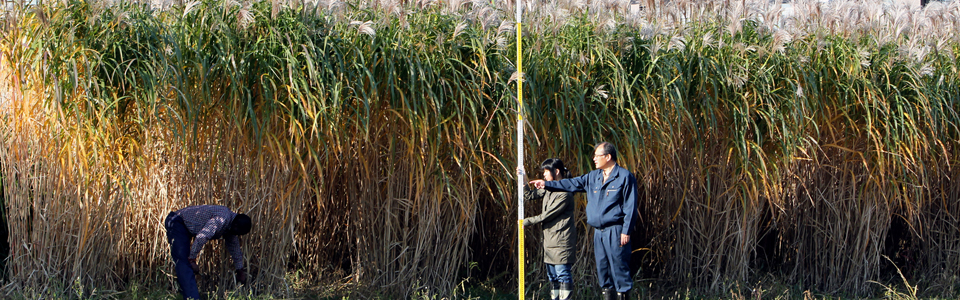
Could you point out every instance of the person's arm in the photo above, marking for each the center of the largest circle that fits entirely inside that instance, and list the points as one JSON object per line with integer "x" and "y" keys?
{"x": 557, "y": 205}
{"x": 532, "y": 194}
{"x": 573, "y": 185}
{"x": 528, "y": 195}
{"x": 233, "y": 246}
{"x": 209, "y": 229}
{"x": 629, "y": 207}
{"x": 236, "y": 252}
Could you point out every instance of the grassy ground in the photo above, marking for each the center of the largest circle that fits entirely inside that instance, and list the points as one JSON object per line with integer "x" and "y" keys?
{"x": 765, "y": 288}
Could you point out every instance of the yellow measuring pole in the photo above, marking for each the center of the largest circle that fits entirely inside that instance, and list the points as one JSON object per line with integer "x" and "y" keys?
{"x": 521, "y": 273}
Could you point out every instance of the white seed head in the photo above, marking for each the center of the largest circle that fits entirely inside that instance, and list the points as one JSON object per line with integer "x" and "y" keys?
{"x": 864, "y": 58}
{"x": 601, "y": 92}
{"x": 244, "y": 17}
{"x": 506, "y": 26}
{"x": 190, "y": 7}
{"x": 708, "y": 40}
{"x": 513, "y": 77}
{"x": 926, "y": 70}
{"x": 365, "y": 28}
{"x": 654, "y": 47}
{"x": 459, "y": 29}
{"x": 678, "y": 43}
{"x": 780, "y": 39}
{"x": 502, "y": 42}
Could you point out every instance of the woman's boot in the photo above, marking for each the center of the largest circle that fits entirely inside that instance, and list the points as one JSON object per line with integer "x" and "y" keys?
{"x": 554, "y": 290}
{"x": 609, "y": 294}
{"x": 566, "y": 288}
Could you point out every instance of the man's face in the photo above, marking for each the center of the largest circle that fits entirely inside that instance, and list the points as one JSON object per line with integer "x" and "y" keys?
{"x": 600, "y": 159}
{"x": 547, "y": 175}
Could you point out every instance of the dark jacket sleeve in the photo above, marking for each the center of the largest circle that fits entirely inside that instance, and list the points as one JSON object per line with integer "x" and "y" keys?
{"x": 629, "y": 204}
{"x": 206, "y": 233}
{"x": 233, "y": 246}
{"x": 531, "y": 194}
{"x": 558, "y": 203}
{"x": 573, "y": 185}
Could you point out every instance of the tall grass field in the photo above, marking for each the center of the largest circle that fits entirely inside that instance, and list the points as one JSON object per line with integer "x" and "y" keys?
{"x": 372, "y": 142}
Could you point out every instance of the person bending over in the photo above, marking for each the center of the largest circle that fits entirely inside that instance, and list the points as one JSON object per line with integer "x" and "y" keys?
{"x": 201, "y": 224}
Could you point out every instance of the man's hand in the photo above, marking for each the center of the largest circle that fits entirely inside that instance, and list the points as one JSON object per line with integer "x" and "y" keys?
{"x": 624, "y": 239}
{"x": 193, "y": 265}
{"x": 538, "y": 184}
{"x": 242, "y": 276}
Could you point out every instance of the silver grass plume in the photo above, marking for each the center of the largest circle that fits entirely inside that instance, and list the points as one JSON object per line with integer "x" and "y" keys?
{"x": 423, "y": 4}
{"x": 738, "y": 78}
{"x": 771, "y": 17}
{"x": 610, "y": 24}
{"x": 506, "y": 26}
{"x": 600, "y": 92}
{"x": 650, "y": 31}
{"x": 926, "y": 70}
{"x": 654, "y": 47}
{"x": 678, "y": 43}
{"x": 780, "y": 39}
{"x": 365, "y": 28}
{"x": 708, "y": 40}
{"x": 514, "y": 76}
{"x": 502, "y": 42}
{"x": 864, "y": 57}
{"x": 244, "y": 16}
{"x": 190, "y": 7}
{"x": 459, "y": 29}
{"x": 489, "y": 15}
{"x": 453, "y": 7}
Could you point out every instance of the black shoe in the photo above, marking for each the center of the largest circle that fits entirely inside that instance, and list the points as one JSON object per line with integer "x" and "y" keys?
{"x": 609, "y": 294}
{"x": 566, "y": 290}
{"x": 624, "y": 295}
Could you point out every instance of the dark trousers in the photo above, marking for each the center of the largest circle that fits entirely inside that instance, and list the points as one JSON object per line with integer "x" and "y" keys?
{"x": 180, "y": 238}
{"x": 613, "y": 261}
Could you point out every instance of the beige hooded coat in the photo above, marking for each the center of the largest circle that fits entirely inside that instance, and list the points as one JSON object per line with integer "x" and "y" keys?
{"x": 559, "y": 228}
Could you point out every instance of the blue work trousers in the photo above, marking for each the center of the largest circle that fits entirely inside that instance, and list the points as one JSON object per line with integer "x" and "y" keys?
{"x": 180, "y": 238}
{"x": 559, "y": 273}
{"x": 613, "y": 260}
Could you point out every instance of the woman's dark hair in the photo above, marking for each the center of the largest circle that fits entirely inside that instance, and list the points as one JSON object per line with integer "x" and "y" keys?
{"x": 555, "y": 165}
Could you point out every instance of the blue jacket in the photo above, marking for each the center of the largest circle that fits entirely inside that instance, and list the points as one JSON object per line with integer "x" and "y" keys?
{"x": 608, "y": 203}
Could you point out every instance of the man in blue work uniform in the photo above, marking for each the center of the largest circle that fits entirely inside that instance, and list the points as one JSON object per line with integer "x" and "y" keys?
{"x": 612, "y": 211}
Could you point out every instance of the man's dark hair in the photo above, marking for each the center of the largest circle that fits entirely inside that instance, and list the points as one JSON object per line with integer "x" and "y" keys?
{"x": 555, "y": 165}
{"x": 608, "y": 148}
{"x": 241, "y": 224}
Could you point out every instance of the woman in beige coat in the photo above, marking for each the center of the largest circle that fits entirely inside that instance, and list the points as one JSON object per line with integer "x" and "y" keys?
{"x": 559, "y": 229}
